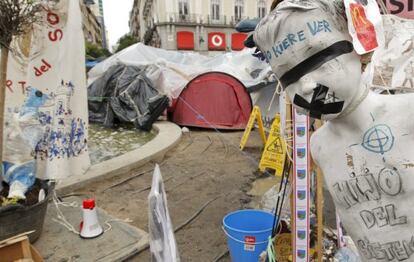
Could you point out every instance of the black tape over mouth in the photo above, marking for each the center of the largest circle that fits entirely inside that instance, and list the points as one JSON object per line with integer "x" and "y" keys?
{"x": 317, "y": 106}
{"x": 315, "y": 61}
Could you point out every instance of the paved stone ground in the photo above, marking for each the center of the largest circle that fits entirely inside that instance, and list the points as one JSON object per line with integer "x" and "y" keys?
{"x": 58, "y": 244}
{"x": 205, "y": 165}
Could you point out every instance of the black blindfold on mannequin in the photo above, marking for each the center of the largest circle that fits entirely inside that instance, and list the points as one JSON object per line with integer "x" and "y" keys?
{"x": 317, "y": 106}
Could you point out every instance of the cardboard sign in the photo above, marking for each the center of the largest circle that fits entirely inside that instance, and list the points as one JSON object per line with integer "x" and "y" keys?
{"x": 301, "y": 185}
{"x": 364, "y": 24}
{"x": 283, "y": 247}
{"x": 273, "y": 156}
{"x": 254, "y": 116}
{"x": 401, "y": 8}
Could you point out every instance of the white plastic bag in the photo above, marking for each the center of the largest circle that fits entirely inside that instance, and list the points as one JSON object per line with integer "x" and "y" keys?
{"x": 23, "y": 132}
{"x": 269, "y": 200}
{"x": 162, "y": 241}
{"x": 345, "y": 254}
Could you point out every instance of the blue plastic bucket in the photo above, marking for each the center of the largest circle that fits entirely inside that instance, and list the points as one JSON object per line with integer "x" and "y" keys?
{"x": 247, "y": 233}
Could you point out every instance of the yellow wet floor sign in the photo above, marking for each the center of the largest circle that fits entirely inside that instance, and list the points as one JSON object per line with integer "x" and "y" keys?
{"x": 254, "y": 116}
{"x": 273, "y": 156}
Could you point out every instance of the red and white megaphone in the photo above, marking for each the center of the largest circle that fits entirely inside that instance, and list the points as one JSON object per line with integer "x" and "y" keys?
{"x": 90, "y": 227}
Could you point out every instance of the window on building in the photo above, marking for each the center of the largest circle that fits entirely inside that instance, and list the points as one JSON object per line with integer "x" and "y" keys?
{"x": 90, "y": 37}
{"x": 238, "y": 9}
{"x": 215, "y": 9}
{"x": 261, "y": 8}
{"x": 183, "y": 7}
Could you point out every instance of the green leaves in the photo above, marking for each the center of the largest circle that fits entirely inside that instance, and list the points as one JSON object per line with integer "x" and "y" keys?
{"x": 93, "y": 51}
{"x": 125, "y": 41}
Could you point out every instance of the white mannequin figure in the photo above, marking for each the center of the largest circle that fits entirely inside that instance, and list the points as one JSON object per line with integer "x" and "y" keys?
{"x": 366, "y": 149}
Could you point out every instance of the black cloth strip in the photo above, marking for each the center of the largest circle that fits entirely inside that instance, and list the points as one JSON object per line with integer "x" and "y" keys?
{"x": 315, "y": 61}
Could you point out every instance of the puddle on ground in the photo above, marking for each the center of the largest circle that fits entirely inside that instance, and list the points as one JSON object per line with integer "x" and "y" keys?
{"x": 106, "y": 143}
{"x": 262, "y": 185}
{"x": 259, "y": 187}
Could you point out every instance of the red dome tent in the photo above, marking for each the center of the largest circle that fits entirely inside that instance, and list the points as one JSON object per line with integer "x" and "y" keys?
{"x": 213, "y": 100}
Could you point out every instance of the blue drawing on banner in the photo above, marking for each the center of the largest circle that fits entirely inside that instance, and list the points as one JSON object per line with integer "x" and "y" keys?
{"x": 45, "y": 119}
{"x": 301, "y": 152}
{"x": 34, "y": 100}
{"x": 301, "y": 234}
{"x": 301, "y": 194}
{"x": 65, "y": 135}
{"x": 378, "y": 139}
{"x": 60, "y": 110}
{"x": 301, "y": 253}
{"x": 301, "y": 173}
{"x": 71, "y": 87}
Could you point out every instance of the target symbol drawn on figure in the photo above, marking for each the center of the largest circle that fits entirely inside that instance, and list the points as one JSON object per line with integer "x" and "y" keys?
{"x": 378, "y": 139}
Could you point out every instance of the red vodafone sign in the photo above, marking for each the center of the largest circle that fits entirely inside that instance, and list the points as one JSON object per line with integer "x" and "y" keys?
{"x": 216, "y": 41}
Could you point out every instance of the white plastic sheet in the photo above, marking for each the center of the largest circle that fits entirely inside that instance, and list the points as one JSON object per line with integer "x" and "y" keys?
{"x": 172, "y": 70}
{"x": 162, "y": 241}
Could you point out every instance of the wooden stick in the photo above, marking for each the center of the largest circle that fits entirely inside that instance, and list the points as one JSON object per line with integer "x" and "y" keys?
{"x": 319, "y": 213}
{"x": 3, "y": 79}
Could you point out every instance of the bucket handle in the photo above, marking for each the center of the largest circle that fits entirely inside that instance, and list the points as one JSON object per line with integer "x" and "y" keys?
{"x": 242, "y": 242}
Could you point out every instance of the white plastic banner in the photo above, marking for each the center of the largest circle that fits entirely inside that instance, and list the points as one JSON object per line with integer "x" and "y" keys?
{"x": 163, "y": 245}
{"x": 392, "y": 65}
{"x": 301, "y": 187}
{"x": 51, "y": 59}
{"x": 364, "y": 24}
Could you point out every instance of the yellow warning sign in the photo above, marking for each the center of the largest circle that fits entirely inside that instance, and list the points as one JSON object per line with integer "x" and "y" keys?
{"x": 254, "y": 116}
{"x": 273, "y": 156}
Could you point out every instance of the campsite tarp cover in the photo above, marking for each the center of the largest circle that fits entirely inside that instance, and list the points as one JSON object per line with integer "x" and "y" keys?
{"x": 170, "y": 71}
{"x": 125, "y": 94}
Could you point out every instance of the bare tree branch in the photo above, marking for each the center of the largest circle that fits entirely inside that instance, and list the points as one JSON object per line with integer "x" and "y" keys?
{"x": 16, "y": 18}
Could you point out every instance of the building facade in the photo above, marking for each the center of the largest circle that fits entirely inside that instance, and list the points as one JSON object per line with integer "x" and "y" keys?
{"x": 98, "y": 10}
{"x": 201, "y": 25}
{"x": 134, "y": 19}
{"x": 90, "y": 24}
